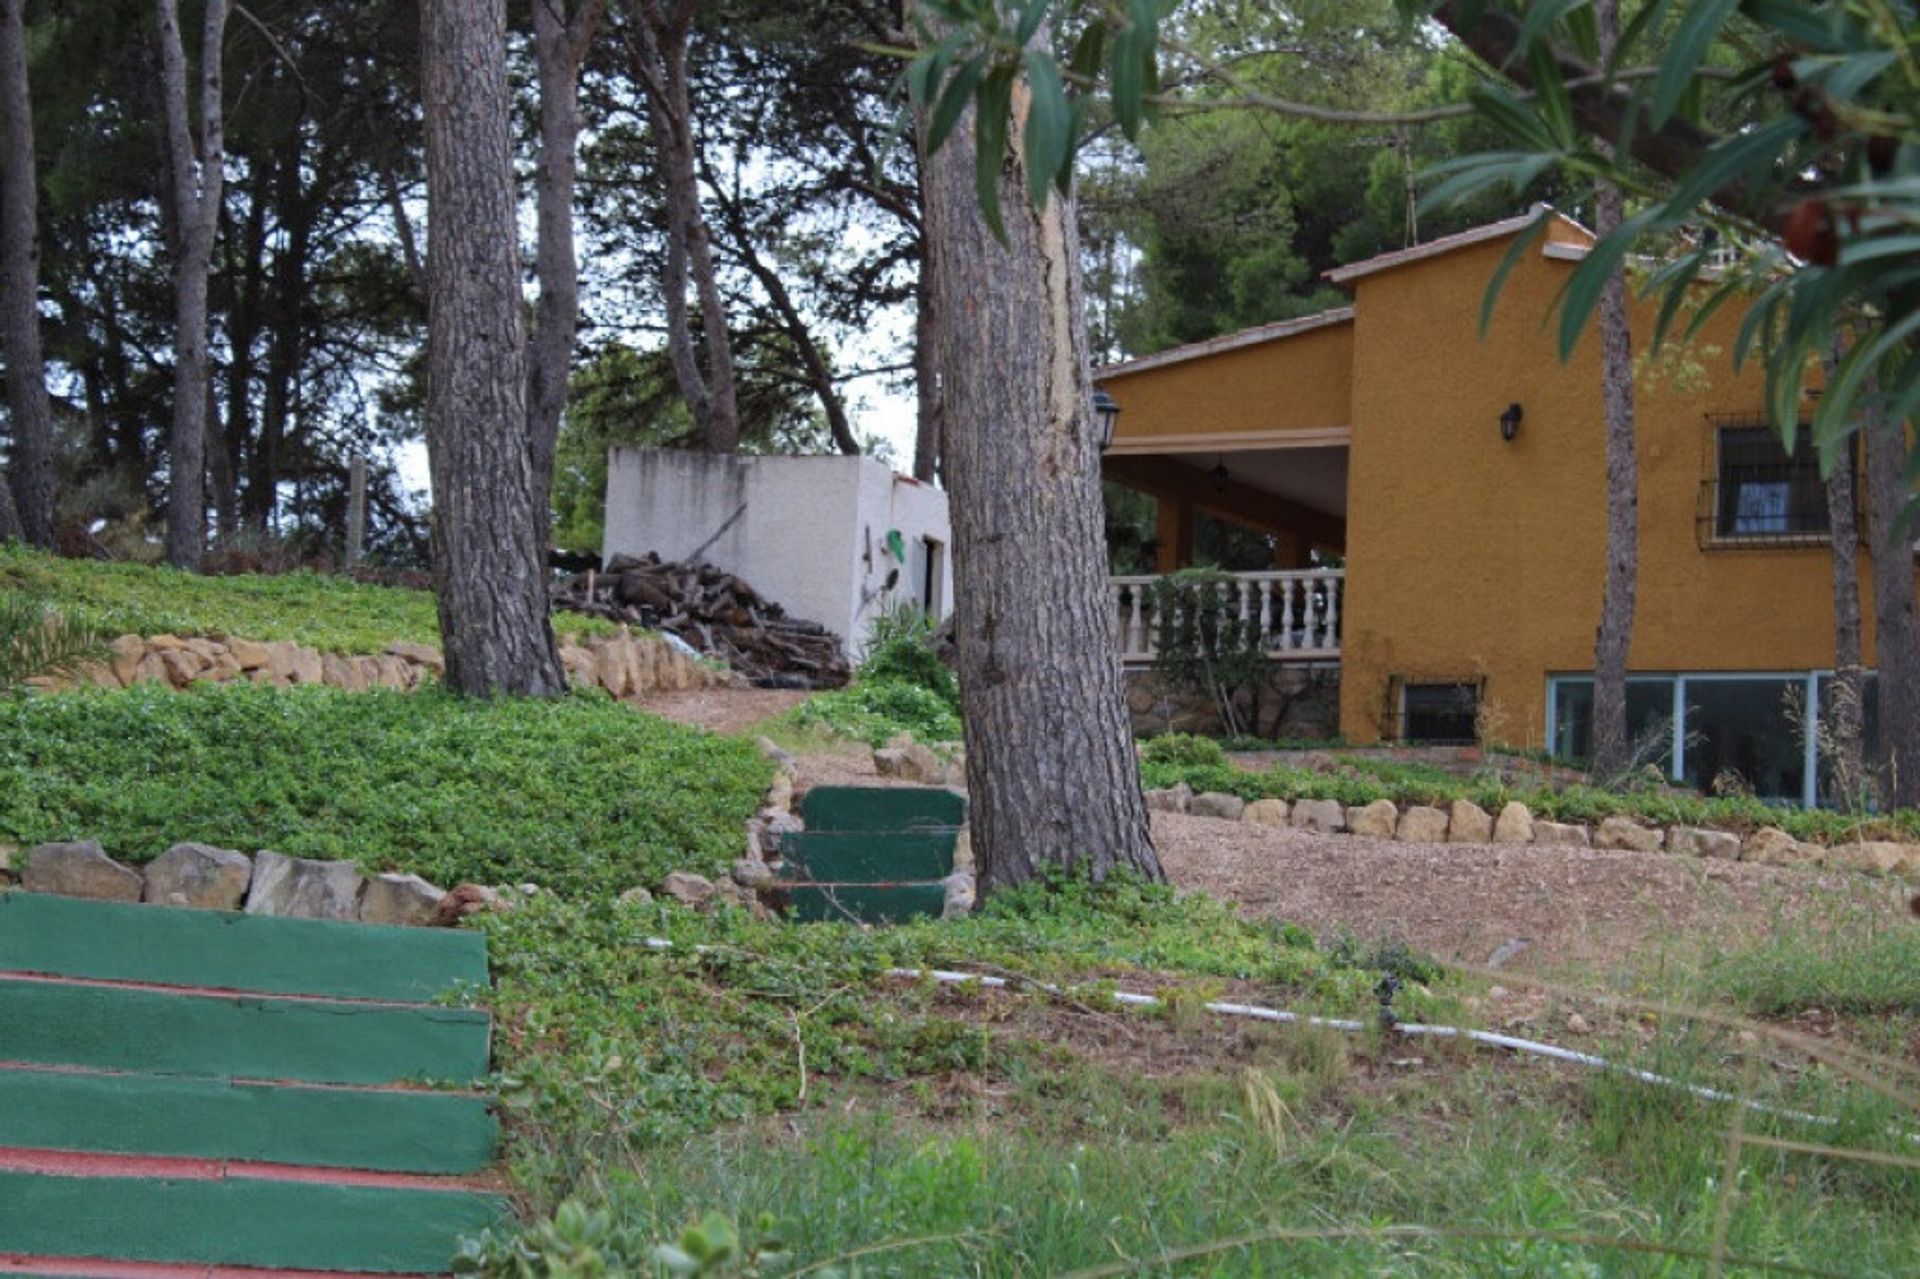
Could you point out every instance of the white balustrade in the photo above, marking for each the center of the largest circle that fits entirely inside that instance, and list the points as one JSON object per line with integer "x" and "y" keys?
{"x": 1296, "y": 614}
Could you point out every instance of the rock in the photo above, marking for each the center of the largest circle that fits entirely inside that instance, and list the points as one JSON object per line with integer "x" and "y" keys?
{"x": 1565, "y": 834}
{"x": 781, "y": 758}
{"x": 780, "y": 791}
{"x": 960, "y": 895}
{"x": 127, "y": 652}
{"x": 467, "y": 899}
{"x": 1377, "y": 820}
{"x": 1578, "y": 1025}
{"x": 400, "y": 899}
{"x": 1626, "y": 835}
{"x": 963, "y": 850}
{"x": 909, "y": 761}
{"x": 418, "y": 655}
{"x": 1422, "y": 824}
{"x": 767, "y": 831}
{"x": 1468, "y": 823}
{"x": 301, "y": 888}
{"x": 165, "y": 643}
{"x": 1514, "y": 825}
{"x": 250, "y": 655}
{"x": 687, "y": 887}
{"x": 181, "y": 666}
{"x": 342, "y": 673}
{"x": 280, "y": 661}
{"x": 306, "y": 667}
{"x": 149, "y": 669}
{"x": 1215, "y": 803}
{"x": 199, "y": 875}
{"x": 1322, "y": 815}
{"x": 1172, "y": 799}
{"x": 78, "y": 869}
{"x": 635, "y": 896}
{"x": 204, "y": 649}
{"x": 751, "y": 872}
{"x": 1771, "y": 846}
{"x": 1266, "y": 812}
{"x": 1697, "y": 841}
{"x": 1873, "y": 857}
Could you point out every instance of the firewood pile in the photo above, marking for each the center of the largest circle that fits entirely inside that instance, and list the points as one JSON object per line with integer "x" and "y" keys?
{"x": 714, "y": 612}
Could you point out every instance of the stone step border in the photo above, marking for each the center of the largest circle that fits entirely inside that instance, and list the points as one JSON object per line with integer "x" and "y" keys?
{"x": 623, "y": 662}
{"x": 1467, "y": 823}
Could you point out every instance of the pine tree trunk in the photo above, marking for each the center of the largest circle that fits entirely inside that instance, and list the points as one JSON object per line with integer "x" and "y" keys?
{"x": 1896, "y": 632}
{"x": 28, "y": 407}
{"x": 926, "y": 377}
{"x": 196, "y": 158}
{"x": 489, "y": 556}
{"x": 559, "y": 43}
{"x": 1612, "y": 750}
{"x": 1842, "y": 712}
{"x": 662, "y": 29}
{"x": 1050, "y": 762}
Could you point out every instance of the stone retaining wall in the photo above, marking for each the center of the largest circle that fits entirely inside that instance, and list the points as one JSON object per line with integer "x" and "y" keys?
{"x": 1465, "y": 822}
{"x": 623, "y": 663}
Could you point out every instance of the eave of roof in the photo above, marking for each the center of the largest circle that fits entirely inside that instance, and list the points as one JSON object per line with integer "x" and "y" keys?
{"x": 1449, "y": 243}
{"x": 1227, "y": 342}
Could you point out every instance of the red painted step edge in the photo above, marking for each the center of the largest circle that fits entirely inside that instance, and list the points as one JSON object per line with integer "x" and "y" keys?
{"x": 15, "y": 1263}
{"x": 68, "y": 1163}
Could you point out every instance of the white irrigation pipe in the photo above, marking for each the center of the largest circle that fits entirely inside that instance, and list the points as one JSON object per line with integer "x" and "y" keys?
{"x": 1512, "y": 1043}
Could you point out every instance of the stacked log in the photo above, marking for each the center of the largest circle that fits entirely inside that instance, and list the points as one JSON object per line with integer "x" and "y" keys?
{"x": 714, "y": 612}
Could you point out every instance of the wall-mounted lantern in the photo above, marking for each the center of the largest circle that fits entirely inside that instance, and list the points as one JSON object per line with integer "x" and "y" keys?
{"x": 1106, "y": 415}
{"x": 1220, "y": 475}
{"x": 1510, "y": 422}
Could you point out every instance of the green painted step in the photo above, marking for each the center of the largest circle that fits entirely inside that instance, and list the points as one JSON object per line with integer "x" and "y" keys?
{"x": 68, "y": 937}
{"x": 868, "y": 903}
{"x": 240, "y": 1222}
{"x": 159, "y": 1032}
{"x": 881, "y": 808}
{"x": 419, "y": 1132}
{"x": 839, "y": 857}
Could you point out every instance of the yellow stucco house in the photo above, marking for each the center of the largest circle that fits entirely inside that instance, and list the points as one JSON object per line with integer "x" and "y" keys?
{"x": 1435, "y": 502}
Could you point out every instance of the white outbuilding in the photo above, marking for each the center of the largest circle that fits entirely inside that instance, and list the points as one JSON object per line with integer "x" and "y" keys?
{"x": 836, "y": 540}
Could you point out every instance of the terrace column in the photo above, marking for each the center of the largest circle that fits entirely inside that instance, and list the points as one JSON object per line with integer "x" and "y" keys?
{"x": 1173, "y": 532}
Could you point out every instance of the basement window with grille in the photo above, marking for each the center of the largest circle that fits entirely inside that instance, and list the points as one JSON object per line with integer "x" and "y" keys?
{"x": 1440, "y": 714}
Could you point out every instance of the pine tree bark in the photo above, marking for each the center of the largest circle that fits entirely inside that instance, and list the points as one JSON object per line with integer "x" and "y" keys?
{"x": 560, "y": 40}
{"x": 31, "y": 413}
{"x": 489, "y": 554}
{"x": 1050, "y": 763}
{"x": 1895, "y": 627}
{"x": 1843, "y": 711}
{"x": 661, "y": 31}
{"x": 195, "y": 157}
{"x": 926, "y": 377}
{"x": 1612, "y": 750}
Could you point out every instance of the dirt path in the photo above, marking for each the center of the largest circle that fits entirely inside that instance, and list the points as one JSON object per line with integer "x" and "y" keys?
{"x": 1572, "y": 907}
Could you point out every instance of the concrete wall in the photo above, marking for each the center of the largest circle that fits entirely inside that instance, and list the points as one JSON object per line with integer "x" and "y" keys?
{"x": 809, "y": 532}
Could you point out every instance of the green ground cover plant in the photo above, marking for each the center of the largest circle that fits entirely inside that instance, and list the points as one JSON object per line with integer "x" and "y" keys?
{"x": 577, "y": 794}
{"x": 610, "y": 1049}
{"x": 1364, "y": 781}
{"x": 900, "y": 686}
{"x": 330, "y": 613}
{"x": 773, "y": 1101}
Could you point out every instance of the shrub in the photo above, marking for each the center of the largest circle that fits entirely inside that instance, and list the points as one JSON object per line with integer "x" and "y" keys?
{"x": 874, "y": 712}
{"x": 36, "y": 641}
{"x": 1183, "y": 749}
{"x": 578, "y": 794}
{"x": 900, "y": 650}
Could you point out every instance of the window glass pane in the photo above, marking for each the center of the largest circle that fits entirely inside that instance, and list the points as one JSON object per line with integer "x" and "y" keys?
{"x": 1441, "y": 713}
{"x": 1764, "y": 492}
{"x": 1649, "y": 720}
{"x": 1745, "y": 734}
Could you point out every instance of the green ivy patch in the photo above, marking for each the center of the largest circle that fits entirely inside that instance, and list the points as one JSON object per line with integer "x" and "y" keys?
{"x": 578, "y": 794}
